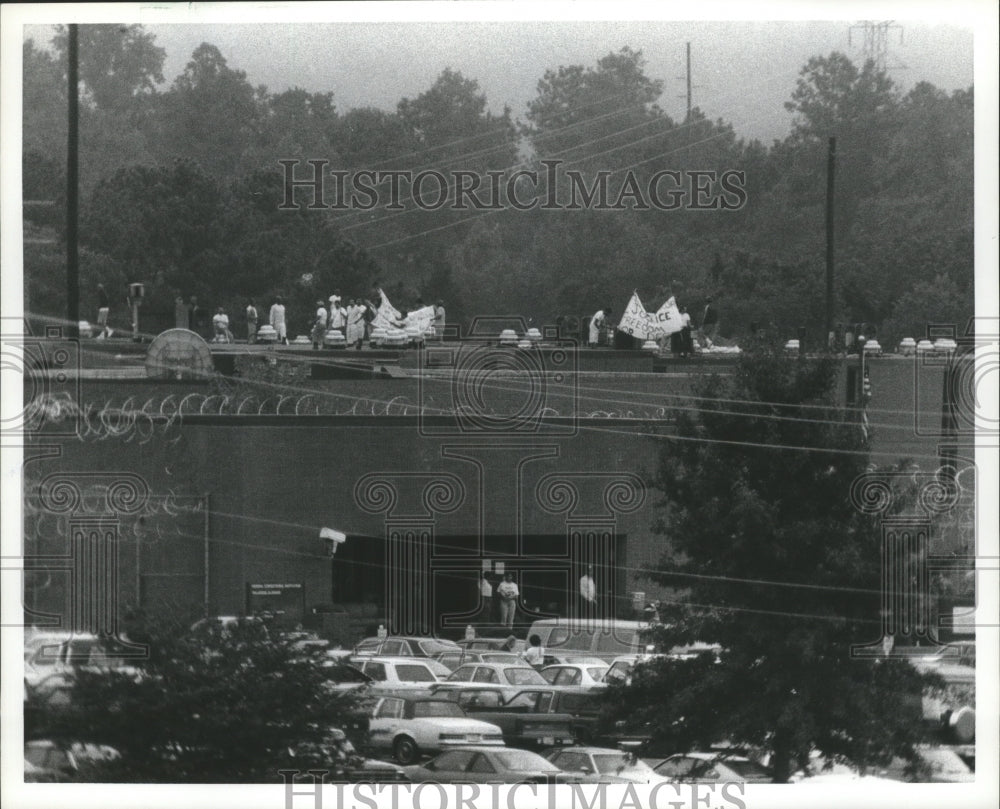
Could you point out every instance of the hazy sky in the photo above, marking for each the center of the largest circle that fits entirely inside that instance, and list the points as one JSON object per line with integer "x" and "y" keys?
{"x": 742, "y": 72}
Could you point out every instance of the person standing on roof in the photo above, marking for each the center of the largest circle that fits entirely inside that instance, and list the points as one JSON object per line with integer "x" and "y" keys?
{"x": 597, "y": 322}
{"x": 277, "y": 320}
{"x": 319, "y": 326}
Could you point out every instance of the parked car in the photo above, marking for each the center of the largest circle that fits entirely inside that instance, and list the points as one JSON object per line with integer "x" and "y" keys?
{"x": 403, "y": 646}
{"x": 560, "y": 658}
{"x": 621, "y": 667}
{"x": 455, "y": 659}
{"x": 402, "y": 673}
{"x": 344, "y": 676}
{"x": 575, "y": 674}
{"x": 53, "y": 661}
{"x": 712, "y": 768}
{"x": 937, "y": 765}
{"x": 228, "y": 622}
{"x": 46, "y": 761}
{"x": 525, "y": 719}
{"x": 347, "y": 765}
{"x": 411, "y": 727}
{"x": 507, "y": 644}
{"x": 498, "y": 673}
{"x": 605, "y": 765}
{"x": 601, "y": 638}
{"x": 533, "y": 715}
{"x": 484, "y": 765}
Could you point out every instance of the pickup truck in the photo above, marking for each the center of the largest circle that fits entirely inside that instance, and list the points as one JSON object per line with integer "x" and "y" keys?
{"x": 533, "y": 717}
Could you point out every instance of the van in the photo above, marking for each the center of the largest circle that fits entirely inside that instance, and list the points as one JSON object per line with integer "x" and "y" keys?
{"x": 606, "y": 639}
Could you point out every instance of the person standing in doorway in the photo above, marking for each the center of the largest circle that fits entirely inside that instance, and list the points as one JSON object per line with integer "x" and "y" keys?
{"x": 508, "y": 592}
{"x": 485, "y": 599}
{"x": 588, "y": 594}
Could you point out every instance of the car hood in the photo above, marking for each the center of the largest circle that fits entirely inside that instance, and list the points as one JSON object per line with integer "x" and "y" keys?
{"x": 455, "y": 724}
{"x": 377, "y": 765}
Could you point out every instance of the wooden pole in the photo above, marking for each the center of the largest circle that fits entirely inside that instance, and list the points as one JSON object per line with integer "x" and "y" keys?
{"x": 72, "y": 189}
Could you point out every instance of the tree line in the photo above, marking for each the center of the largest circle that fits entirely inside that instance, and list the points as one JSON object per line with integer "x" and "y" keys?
{"x": 181, "y": 188}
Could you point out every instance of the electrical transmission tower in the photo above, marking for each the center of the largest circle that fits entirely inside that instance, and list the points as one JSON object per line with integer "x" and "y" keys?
{"x": 876, "y": 42}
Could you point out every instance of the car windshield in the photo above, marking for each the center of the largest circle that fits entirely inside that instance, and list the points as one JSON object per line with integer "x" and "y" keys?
{"x": 612, "y": 763}
{"x": 524, "y": 761}
{"x": 433, "y": 646}
{"x": 524, "y": 676}
{"x": 462, "y": 674}
{"x": 409, "y": 673}
{"x": 339, "y": 673}
{"x": 596, "y": 672}
{"x": 422, "y": 710}
{"x": 745, "y": 769}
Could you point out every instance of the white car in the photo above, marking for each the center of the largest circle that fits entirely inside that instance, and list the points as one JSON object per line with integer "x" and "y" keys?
{"x": 496, "y": 674}
{"x": 413, "y": 726}
{"x": 51, "y": 661}
{"x": 576, "y": 674}
{"x": 602, "y": 765}
{"x": 402, "y": 673}
{"x": 404, "y": 646}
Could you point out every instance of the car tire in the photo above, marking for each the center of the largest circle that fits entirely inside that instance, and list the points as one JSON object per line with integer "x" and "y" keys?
{"x": 405, "y": 750}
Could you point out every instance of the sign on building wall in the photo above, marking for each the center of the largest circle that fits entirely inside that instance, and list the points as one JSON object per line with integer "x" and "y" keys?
{"x": 283, "y": 602}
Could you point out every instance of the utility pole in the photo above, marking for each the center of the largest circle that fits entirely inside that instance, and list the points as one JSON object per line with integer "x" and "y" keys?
{"x": 688, "y": 118}
{"x": 686, "y": 78}
{"x": 72, "y": 188}
{"x": 831, "y": 160}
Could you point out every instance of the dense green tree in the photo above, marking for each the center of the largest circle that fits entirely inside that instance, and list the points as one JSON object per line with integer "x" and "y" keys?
{"x": 211, "y": 115}
{"x": 453, "y": 126}
{"x": 776, "y": 564}
{"x": 860, "y": 108}
{"x": 580, "y": 111}
{"x": 43, "y": 124}
{"x": 903, "y": 210}
{"x": 206, "y": 705}
{"x": 117, "y": 63}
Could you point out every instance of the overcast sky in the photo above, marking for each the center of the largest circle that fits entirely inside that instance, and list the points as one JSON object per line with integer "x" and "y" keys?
{"x": 742, "y": 72}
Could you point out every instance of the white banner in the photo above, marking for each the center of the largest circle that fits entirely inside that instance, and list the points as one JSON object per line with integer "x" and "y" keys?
{"x": 668, "y": 318}
{"x": 636, "y": 321}
{"x": 387, "y": 314}
{"x": 421, "y": 318}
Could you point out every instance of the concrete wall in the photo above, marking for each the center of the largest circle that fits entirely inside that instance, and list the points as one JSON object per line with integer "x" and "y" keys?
{"x": 240, "y": 499}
